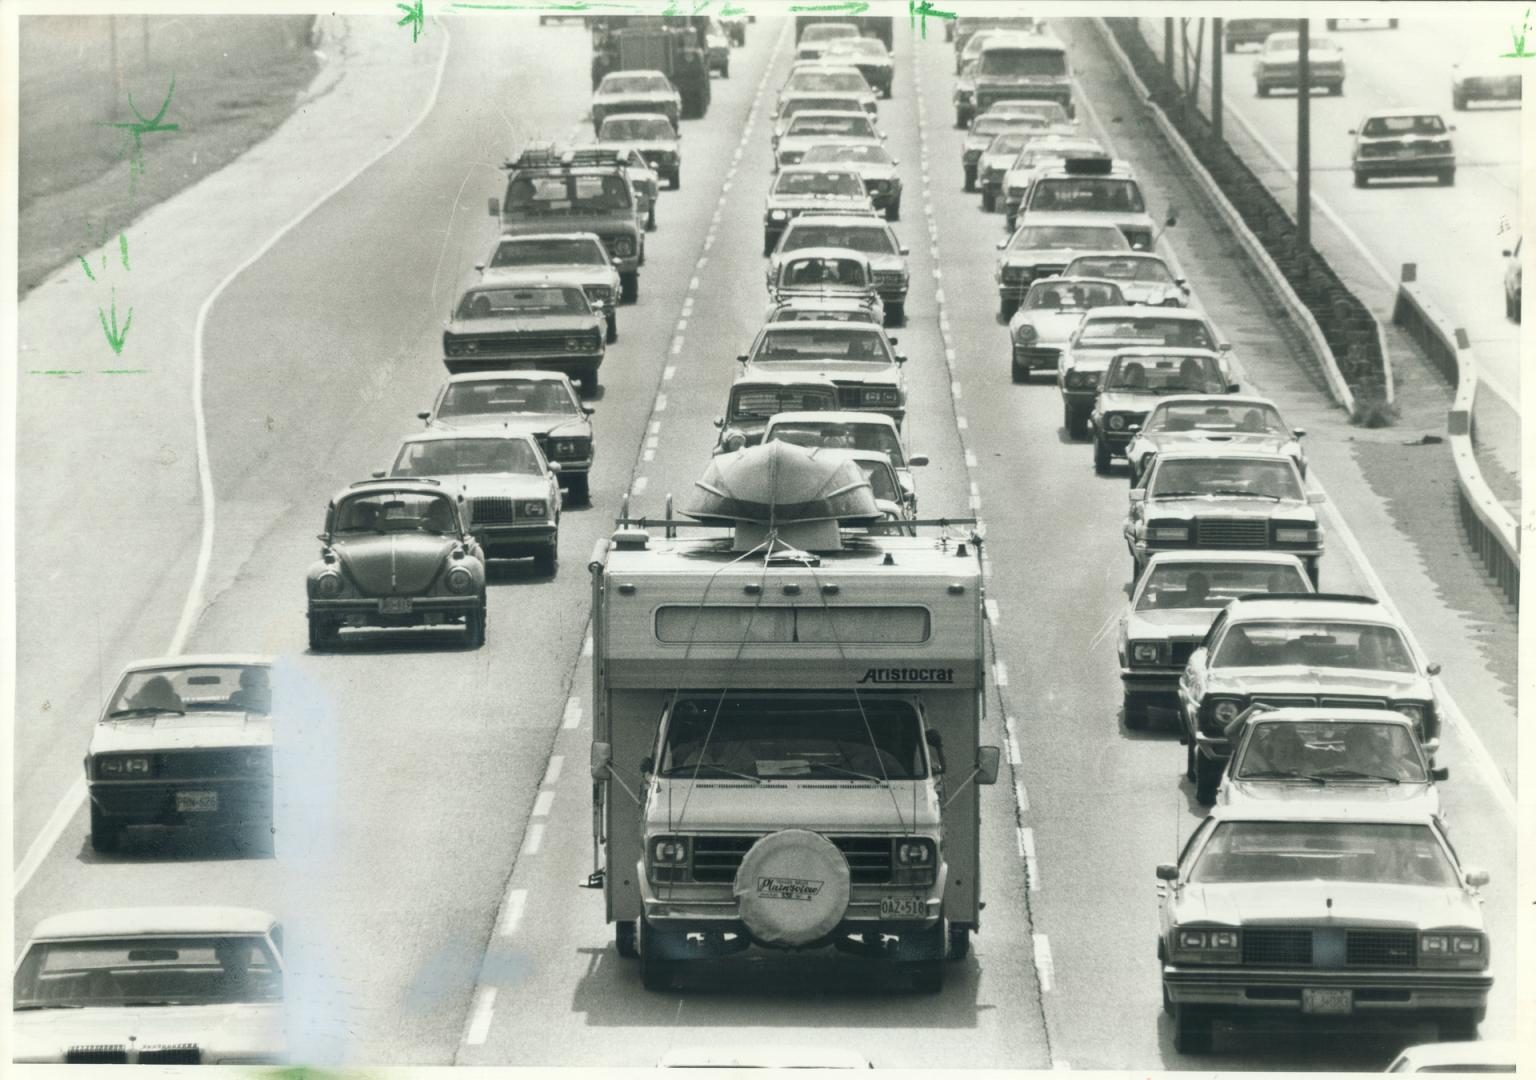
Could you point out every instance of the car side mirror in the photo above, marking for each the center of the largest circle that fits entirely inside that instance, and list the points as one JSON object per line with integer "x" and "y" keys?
{"x": 378, "y": 474}
{"x": 647, "y": 765}
{"x": 904, "y": 250}
{"x": 1298, "y": 432}
{"x": 1432, "y": 669}
{"x": 617, "y": 261}
{"x": 493, "y": 206}
{"x": 1137, "y": 495}
{"x": 917, "y": 461}
{"x": 423, "y": 415}
{"x": 883, "y": 134}
{"x": 1477, "y": 878}
{"x": 1167, "y": 872}
{"x": 741, "y": 358}
{"x": 1352, "y": 131}
{"x": 1442, "y": 772}
{"x": 1316, "y": 498}
{"x": 895, "y": 162}
{"x": 587, "y": 410}
{"x": 323, "y": 538}
{"x": 1506, "y": 253}
{"x": 901, "y": 358}
{"x": 1173, "y": 218}
{"x": 719, "y": 421}
{"x": 602, "y": 760}
{"x": 1182, "y": 283}
{"x": 1233, "y": 387}
{"x": 554, "y": 466}
{"x": 1001, "y": 244}
{"x": 988, "y": 760}
{"x": 1450, "y": 127}
{"x": 1224, "y": 346}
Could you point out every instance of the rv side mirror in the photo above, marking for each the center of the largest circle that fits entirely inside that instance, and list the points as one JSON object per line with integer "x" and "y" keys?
{"x": 647, "y": 765}
{"x": 988, "y": 758}
{"x": 1316, "y": 498}
{"x": 1173, "y": 217}
{"x": 1442, "y": 772}
{"x": 917, "y": 461}
{"x": 1167, "y": 872}
{"x": 1477, "y": 878}
{"x": 602, "y": 760}
{"x": 1432, "y": 669}
{"x": 493, "y": 206}
{"x": 1233, "y": 387}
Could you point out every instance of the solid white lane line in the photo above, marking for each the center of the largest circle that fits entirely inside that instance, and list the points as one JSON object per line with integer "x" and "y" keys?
{"x": 1021, "y": 796}
{"x": 1045, "y": 966}
{"x": 534, "y": 839}
{"x": 1031, "y": 862}
{"x": 992, "y": 611}
{"x": 1000, "y": 673}
{"x": 586, "y": 647}
{"x": 480, "y": 1016}
{"x": 552, "y": 771}
{"x": 572, "y": 716}
{"x": 512, "y": 912}
{"x": 542, "y": 804}
{"x": 53, "y": 828}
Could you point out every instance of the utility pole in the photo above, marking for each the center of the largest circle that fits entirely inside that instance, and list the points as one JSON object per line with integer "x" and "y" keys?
{"x": 1168, "y": 50}
{"x": 1304, "y": 142}
{"x": 1218, "y": 47}
{"x": 114, "y": 73}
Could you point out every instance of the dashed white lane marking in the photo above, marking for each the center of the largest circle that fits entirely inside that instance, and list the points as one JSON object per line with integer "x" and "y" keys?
{"x": 975, "y": 490}
{"x": 1031, "y": 863}
{"x": 1021, "y": 795}
{"x": 552, "y": 771}
{"x": 703, "y": 259}
{"x": 667, "y": 373}
{"x": 975, "y": 503}
{"x": 993, "y": 614}
{"x": 655, "y": 427}
{"x": 543, "y": 804}
{"x": 709, "y": 241}
{"x": 956, "y": 389}
{"x": 480, "y": 1016}
{"x": 512, "y": 912}
{"x": 640, "y": 484}
{"x": 572, "y": 716}
{"x": 938, "y": 296}
{"x": 677, "y": 345}
{"x": 1000, "y": 673}
{"x": 648, "y": 454}
{"x": 1014, "y": 757}
{"x": 1018, "y": 837}
{"x": 960, "y": 422}
{"x": 687, "y": 306}
{"x": 949, "y": 354}
{"x": 682, "y": 324}
{"x": 1045, "y": 966}
{"x": 651, "y": 441}
{"x": 535, "y": 838}
{"x": 661, "y": 403}
{"x": 586, "y": 647}
{"x": 693, "y": 284}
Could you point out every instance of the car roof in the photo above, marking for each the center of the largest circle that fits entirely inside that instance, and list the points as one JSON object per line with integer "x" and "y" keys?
{"x": 1142, "y": 311}
{"x": 509, "y": 237}
{"x": 636, "y": 71}
{"x": 510, "y": 373}
{"x": 805, "y": 326}
{"x": 1482, "y": 1052}
{"x": 1323, "y": 607}
{"x": 1312, "y": 714}
{"x": 1385, "y": 113}
{"x": 1118, "y": 170}
{"x": 1268, "y": 558}
{"x": 439, "y": 435}
{"x": 825, "y": 252}
{"x": 1225, "y": 451}
{"x": 842, "y": 218}
{"x": 833, "y": 416}
{"x": 1247, "y": 401}
{"x": 636, "y": 115}
{"x": 166, "y": 663}
{"x": 1358, "y": 811}
{"x": 1131, "y": 253}
{"x": 153, "y": 921}
{"x": 1167, "y": 350}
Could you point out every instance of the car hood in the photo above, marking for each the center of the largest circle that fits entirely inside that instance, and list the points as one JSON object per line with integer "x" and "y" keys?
{"x": 621, "y": 221}
{"x": 1299, "y": 679}
{"x": 1307, "y": 903}
{"x": 1130, "y": 401}
{"x": 830, "y": 806}
{"x": 1091, "y": 358}
{"x": 219, "y": 1030}
{"x": 544, "y": 324}
{"x": 492, "y": 485}
{"x": 871, "y": 170}
{"x": 998, "y": 162}
{"x": 394, "y": 564}
{"x": 829, "y": 369}
{"x": 562, "y": 424}
{"x": 201, "y": 728}
{"x": 1266, "y": 442}
{"x": 1050, "y": 326}
{"x": 628, "y": 97}
{"x": 1229, "y": 507}
{"x": 1170, "y": 623}
{"x": 1147, "y": 291}
{"x": 1251, "y": 792}
{"x": 561, "y": 274}
{"x": 1035, "y": 256}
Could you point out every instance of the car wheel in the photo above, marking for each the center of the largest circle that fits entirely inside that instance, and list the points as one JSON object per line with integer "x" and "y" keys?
{"x": 1167, "y": 1001}
{"x": 105, "y": 835}
{"x": 1101, "y": 457}
{"x": 1336, "y": 90}
{"x": 1458, "y": 1025}
{"x": 1077, "y": 424}
{"x": 725, "y": 71}
{"x": 1191, "y": 1029}
{"x": 578, "y": 488}
{"x": 474, "y": 628}
{"x": 893, "y": 212}
{"x": 1135, "y": 712}
{"x": 1360, "y": 180}
{"x": 629, "y": 286}
{"x": 1020, "y": 372}
{"x": 988, "y": 202}
{"x": 1447, "y": 177}
{"x": 959, "y": 943}
{"x": 656, "y": 971}
{"x": 547, "y": 561}
{"x": 896, "y": 313}
{"x": 1207, "y": 776}
{"x": 613, "y": 328}
{"x": 970, "y": 179}
{"x": 675, "y": 181}
{"x": 624, "y": 940}
{"x": 650, "y": 219}
{"x": 1313, "y": 573}
{"x": 322, "y": 633}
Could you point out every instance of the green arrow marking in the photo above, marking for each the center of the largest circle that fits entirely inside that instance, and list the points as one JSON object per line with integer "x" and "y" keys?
{"x": 413, "y": 18}
{"x": 115, "y": 337}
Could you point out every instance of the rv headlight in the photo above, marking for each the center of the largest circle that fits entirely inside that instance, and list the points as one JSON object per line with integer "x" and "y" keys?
{"x": 669, "y": 851}
{"x": 916, "y": 861}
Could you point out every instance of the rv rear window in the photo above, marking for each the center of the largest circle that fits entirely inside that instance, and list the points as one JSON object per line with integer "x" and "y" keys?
{"x": 680, "y": 625}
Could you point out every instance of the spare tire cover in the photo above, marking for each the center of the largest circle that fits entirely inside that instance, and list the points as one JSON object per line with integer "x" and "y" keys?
{"x": 792, "y": 887}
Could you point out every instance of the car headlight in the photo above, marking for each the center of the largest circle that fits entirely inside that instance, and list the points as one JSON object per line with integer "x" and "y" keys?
{"x": 1146, "y": 652}
{"x": 1177, "y": 534}
{"x": 123, "y": 765}
{"x": 1207, "y": 946}
{"x": 1297, "y": 536}
{"x": 535, "y": 508}
{"x": 453, "y": 348}
{"x": 460, "y": 580}
{"x": 777, "y": 215}
{"x": 732, "y": 440}
{"x": 564, "y": 448}
{"x": 1453, "y": 950}
{"x": 328, "y": 583}
{"x": 1082, "y": 380}
{"x": 1116, "y": 422}
{"x": 574, "y": 344}
{"x": 622, "y": 246}
{"x": 1027, "y": 334}
{"x": 1222, "y": 713}
{"x": 1412, "y": 710}
{"x": 669, "y": 851}
{"x": 964, "y": 95}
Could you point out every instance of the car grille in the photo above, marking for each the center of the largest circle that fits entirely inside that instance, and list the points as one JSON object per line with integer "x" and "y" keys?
{"x": 208, "y": 764}
{"x": 1327, "y": 701}
{"x": 1379, "y": 149}
{"x": 1179, "y": 652}
{"x": 876, "y": 187}
{"x": 516, "y": 343}
{"x": 1276, "y": 947}
{"x": 791, "y": 157}
{"x": 491, "y": 510}
{"x": 96, "y": 1055}
{"x": 717, "y": 858}
{"x": 1230, "y": 533}
{"x": 1040, "y": 357}
{"x": 188, "y": 1054}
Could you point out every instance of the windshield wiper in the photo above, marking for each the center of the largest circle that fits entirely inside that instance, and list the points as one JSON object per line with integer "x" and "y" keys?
{"x": 1278, "y": 774}
{"x": 1339, "y": 773}
{"x": 144, "y": 710}
{"x": 1175, "y": 494}
{"x": 691, "y": 771}
{"x": 1238, "y": 493}
{"x": 846, "y": 772}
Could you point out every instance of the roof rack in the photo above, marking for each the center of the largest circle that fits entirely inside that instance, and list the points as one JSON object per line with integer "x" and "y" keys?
{"x": 1347, "y": 598}
{"x": 550, "y": 156}
{"x": 395, "y": 481}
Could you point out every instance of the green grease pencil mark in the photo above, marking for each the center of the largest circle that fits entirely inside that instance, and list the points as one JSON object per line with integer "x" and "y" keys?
{"x": 731, "y": 9}
{"x": 122, "y": 245}
{"x": 125, "y": 371}
{"x": 86, "y": 267}
{"x": 136, "y": 131}
{"x": 115, "y": 337}
{"x": 850, "y": 7}
{"x": 1519, "y": 39}
{"x": 55, "y": 371}
{"x": 413, "y": 17}
{"x": 925, "y": 8}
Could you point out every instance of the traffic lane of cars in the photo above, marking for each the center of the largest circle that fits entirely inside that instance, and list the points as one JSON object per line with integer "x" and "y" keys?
{"x": 1097, "y": 792}
{"x": 454, "y": 724}
{"x": 561, "y": 977}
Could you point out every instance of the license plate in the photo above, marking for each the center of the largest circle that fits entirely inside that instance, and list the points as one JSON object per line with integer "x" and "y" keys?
{"x": 395, "y": 605}
{"x": 901, "y": 907}
{"x": 197, "y": 802}
{"x": 1405, "y": 152}
{"x": 1328, "y": 1002}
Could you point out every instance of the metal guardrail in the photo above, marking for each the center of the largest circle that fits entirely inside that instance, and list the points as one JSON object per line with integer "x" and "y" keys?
{"x": 1491, "y": 528}
{"x": 1305, "y": 322}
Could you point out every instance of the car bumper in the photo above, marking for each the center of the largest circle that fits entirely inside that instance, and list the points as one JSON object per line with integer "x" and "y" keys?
{"x": 567, "y": 363}
{"x": 424, "y": 610}
{"x": 1245, "y": 990}
{"x": 1117, "y": 441}
{"x": 235, "y": 802}
{"x": 1158, "y": 681}
{"x": 986, "y": 98}
{"x": 1037, "y": 357}
{"x": 515, "y": 541}
{"x": 695, "y": 908}
{"x": 1416, "y": 166}
{"x": 1080, "y": 400}
{"x": 574, "y": 468}
{"x": 1289, "y": 80}
{"x": 1144, "y": 550}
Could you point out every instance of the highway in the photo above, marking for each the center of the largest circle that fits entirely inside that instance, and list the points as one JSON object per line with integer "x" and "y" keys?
{"x": 434, "y": 815}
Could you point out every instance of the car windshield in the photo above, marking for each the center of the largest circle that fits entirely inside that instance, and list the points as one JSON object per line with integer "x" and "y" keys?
{"x": 813, "y": 104}
{"x": 148, "y": 971}
{"x": 1313, "y": 643}
{"x": 828, "y": 31}
{"x": 1000, "y": 61}
{"x": 396, "y": 511}
{"x": 761, "y": 402}
{"x": 1168, "y": 332}
{"x": 1214, "y": 584}
{"x": 1378, "y": 126}
{"x": 561, "y": 250}
{"x": 466, "y": 457}
{"x": 865, "y": 153}
{"x": 836, "y": 81}
{"x": 490, "y": 396}
{"x": 823, "y": 273}
{"x": 509, "y": 303}
{"x": 1149, "y": 270}
{"x": 873, "y": 239}
{"x": 634, "y": 84}
{"x": 1165, "y": 374}
{"x": 1329, "y": 750}
{"x": 1049, "y": 111}
{"x": 793, "y": 311}
{"x": 636, "y": 128}
{"x": 1277, "y": 851}
{"x": 1110, "y": 194}
{"x": 834, "y": 435}
{"x": 841, "y": 343}
{"x": 844, "y": 184}
{"x": 568, "y": 193}
{"x": 853, "y": 127}
{"x": 860, "y": 46}
{"x": 1071, "y": 296}
{"x": 996, "y": 123}
{"x": 1068, "y": 237}
{"x": 1245, "y": 417}
{"x": 1007, "y": 142}
{"x": 833, "y": 738}
{"x": 216, "y": 687}
{"x": 1273, "y": 478}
